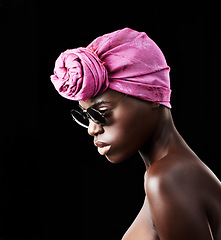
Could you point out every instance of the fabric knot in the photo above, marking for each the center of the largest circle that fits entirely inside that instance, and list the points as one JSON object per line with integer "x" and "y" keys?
{"x": 79, "y": 74}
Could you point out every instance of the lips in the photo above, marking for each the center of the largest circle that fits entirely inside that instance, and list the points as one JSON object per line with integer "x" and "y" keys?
{"x": 103, "y": 147}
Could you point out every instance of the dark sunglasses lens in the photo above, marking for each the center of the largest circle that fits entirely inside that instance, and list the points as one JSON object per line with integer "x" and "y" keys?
{"x": 80, "y": 118}
{"x": 96, "y": 116}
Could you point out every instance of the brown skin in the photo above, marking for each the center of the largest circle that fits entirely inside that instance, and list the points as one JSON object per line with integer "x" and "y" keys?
{"x": 183, "y": 197}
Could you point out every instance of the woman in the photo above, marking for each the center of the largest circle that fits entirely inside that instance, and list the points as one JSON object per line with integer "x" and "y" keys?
{"x": 121, "y": 81}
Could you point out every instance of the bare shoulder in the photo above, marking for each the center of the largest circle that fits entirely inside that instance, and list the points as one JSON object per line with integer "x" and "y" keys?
{"x": 181, "y": 191}
{"x": 187, "y": 174}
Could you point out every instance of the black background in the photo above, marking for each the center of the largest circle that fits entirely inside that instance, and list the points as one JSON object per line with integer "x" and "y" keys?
{"x": 54, "y": 184}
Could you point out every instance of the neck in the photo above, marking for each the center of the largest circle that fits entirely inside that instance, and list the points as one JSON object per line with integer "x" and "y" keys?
{"x": 159, "y": 144}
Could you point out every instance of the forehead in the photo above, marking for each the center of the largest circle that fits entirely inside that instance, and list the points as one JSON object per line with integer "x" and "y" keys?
{"x": 109, "y": 96}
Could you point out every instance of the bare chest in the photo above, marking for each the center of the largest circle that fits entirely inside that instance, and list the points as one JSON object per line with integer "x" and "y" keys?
{"x": 142, "y": 228}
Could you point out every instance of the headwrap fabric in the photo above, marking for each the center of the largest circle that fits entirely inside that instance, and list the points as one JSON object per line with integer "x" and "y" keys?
{"x": 79, "y": 74}
{"x": 126, "y": 61}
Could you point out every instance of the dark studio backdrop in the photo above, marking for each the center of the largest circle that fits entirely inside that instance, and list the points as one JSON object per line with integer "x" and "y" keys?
{"x": 53, "y": 183}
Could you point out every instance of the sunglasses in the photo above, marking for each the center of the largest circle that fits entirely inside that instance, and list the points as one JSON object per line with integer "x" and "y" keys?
{"x": 82, "y": 117}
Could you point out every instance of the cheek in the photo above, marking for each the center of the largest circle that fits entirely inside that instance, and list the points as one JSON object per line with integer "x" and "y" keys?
{"x": 128, "y": 132}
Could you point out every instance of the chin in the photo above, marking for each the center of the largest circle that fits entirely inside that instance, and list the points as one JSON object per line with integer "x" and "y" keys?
{"x": 117, "y": 158}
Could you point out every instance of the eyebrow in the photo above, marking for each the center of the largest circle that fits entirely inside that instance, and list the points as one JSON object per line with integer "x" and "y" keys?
{"x": 95, "y": 105}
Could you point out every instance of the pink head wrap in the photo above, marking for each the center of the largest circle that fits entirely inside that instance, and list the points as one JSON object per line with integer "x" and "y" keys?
{"x": 126, "y": 61}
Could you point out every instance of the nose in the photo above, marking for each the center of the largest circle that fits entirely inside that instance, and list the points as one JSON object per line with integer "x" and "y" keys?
{"x": 94, "y": 129}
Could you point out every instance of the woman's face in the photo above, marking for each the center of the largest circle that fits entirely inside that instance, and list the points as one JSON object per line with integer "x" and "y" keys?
{"x": 128, "y": 125}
